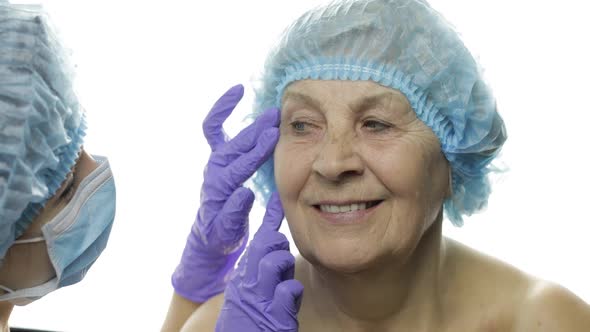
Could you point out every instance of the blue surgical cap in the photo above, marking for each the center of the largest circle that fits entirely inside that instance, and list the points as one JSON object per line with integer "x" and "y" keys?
{"x": 41, "y": 122}
{"x": 404, "y": 45}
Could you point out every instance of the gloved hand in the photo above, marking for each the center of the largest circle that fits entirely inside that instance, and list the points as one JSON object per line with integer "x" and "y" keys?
{"x": 220, "y": 231}
{"x": 262, "y": 295}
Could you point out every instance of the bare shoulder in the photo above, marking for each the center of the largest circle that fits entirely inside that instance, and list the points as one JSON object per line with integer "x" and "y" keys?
{"x": 499, "y": 297}
{"x": 484, "y": 290}
{"x": 485, "y": 276}
{"x": 551, "y": 307}
{"x": 205, "y": 317}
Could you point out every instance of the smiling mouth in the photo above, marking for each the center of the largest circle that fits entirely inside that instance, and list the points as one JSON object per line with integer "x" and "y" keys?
{"x": 332, "y": 208}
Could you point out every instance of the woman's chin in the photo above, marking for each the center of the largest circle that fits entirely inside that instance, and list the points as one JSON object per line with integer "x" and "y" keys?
{"x": 341, "y": 259}
{"x": 343, "y": 267}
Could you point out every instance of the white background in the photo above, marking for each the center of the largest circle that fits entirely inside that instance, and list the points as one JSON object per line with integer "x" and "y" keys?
{"x": 148, "y": 72}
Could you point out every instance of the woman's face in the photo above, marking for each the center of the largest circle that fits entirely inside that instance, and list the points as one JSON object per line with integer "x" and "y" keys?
{"x": 360, "y": 177}
{"x": 27, "y": 265}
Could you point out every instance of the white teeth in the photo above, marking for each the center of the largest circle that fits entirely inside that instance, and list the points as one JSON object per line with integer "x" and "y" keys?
{"x": 343, "y": 208}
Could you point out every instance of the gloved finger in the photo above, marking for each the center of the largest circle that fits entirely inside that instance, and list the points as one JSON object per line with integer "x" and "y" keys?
{"x": 261, "y": 245}
{"x": 246, "y": 139}
{"x": 273, "y": 217}
{"x": 233, "y": 217}
{"x": 243, "y": 167}
{"x": 213, "y": 124}
{"x": 286, "y": 302}
{"x": 273, "y": 268}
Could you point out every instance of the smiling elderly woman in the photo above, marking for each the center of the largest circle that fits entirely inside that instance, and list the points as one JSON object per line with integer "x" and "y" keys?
{"x": 386, "y": 125}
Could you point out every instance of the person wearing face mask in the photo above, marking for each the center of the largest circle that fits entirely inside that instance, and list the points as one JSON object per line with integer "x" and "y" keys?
{"x": 57, "y": 202}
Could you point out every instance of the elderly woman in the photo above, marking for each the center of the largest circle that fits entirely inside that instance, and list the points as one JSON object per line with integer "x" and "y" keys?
{"x": 57, "y": 203}
{"x": 386, "y": 127}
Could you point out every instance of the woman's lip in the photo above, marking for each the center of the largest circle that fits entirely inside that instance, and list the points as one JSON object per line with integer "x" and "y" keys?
{"x": 346, "y": 218}
{"x": 348, "y": 202}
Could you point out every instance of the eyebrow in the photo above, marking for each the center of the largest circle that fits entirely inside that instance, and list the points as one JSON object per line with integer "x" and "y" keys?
{"x": 360, "y": 104}
{"x": 303, "y": 98}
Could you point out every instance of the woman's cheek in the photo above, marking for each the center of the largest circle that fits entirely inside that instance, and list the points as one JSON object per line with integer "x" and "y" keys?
{"x": 393, "y": 165}
{"x": 294, "y": 150}
{"x": 287, "y": 165}
{"x": 293, "y": 163}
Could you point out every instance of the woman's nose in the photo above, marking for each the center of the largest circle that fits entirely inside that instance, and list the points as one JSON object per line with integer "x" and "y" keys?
{"x": 338, "y": 160}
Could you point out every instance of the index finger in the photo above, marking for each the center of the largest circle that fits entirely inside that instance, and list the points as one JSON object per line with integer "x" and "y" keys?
{"x": 274, "y": 213}
{"x": 213, "y": 124}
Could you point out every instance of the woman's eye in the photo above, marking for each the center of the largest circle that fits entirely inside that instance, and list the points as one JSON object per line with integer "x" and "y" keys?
{"x": 299, "y": 127}
{"x": 376, "y": 125}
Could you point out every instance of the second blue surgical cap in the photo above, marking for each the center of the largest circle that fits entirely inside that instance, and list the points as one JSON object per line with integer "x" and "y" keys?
{"x": 404, "y": 45}
{"x": 41, "y": 122}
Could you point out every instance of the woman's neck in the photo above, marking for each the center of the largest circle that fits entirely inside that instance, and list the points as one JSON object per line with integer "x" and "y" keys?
{"x": 394, "y": 295}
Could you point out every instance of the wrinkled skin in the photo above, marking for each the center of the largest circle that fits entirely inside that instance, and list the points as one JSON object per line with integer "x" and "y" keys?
{"x": 345, "y": 141}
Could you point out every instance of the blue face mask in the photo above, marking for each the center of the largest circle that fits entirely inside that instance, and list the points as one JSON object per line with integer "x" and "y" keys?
{"x": 76, "y": 236}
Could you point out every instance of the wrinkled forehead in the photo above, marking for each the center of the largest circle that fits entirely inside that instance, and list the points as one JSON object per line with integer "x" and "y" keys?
{"x": 341, "y": 88}
{"x": 354, "y": 94}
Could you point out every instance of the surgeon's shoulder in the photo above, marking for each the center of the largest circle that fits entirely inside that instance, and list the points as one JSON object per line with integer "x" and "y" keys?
{"x": 205, "y": 317}
{"x": 551, "y": 307}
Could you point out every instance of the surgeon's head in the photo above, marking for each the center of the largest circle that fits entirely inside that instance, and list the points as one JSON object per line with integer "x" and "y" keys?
{"x": 27, "y": 262}
{"x": 48, "y": 183}
{"x": 384, "y": 111}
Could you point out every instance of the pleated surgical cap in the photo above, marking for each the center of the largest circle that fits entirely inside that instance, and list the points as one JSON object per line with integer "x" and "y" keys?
{"x": 41, "y": 123}
{"x": 404, "y": 45}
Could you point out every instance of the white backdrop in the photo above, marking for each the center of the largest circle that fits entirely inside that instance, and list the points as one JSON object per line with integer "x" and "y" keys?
{"x": 148, "y": 72}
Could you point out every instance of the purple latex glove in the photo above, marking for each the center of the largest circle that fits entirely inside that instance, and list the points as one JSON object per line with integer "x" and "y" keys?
{"x": 262, "y": 295}
{"x": 220, "y": 231}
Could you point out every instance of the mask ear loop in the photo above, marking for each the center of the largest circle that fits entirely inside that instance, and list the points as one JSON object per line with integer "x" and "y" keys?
{"x": 31, "y": 240}
{"x": 6, "y": 289}
{"x": 24, "y": 241}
